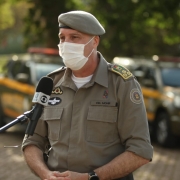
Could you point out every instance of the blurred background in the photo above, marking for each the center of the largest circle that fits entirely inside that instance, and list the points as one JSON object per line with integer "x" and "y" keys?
{"x": 133, "y": 27}
{"x": 142, "y": 35}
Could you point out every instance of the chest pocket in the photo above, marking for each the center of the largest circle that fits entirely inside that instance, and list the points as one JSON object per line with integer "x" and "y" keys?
{"x": 52, "y": 115}
{"x": 101, "y": 124}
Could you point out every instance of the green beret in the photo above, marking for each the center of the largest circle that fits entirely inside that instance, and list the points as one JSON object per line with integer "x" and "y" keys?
{"x": 81, "y": 21}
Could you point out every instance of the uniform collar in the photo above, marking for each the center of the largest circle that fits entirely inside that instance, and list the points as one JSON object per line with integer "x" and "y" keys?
{"x": 66, "y": 80}
{"x": 100, "y": 76}
{"x": 101, "y": 73}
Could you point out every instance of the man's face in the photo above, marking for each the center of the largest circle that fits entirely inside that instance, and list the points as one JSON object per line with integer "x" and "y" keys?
{"x": 73, "y": 36}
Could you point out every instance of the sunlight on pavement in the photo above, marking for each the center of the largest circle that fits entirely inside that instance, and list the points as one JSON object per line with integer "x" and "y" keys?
{"x": 14, "y": 157}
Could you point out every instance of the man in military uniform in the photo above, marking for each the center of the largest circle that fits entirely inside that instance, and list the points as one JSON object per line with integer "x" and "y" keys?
{"x": 96, "y": 121}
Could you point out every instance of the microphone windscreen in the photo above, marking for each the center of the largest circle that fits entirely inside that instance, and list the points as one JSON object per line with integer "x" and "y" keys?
{"x": 45, "y": 85}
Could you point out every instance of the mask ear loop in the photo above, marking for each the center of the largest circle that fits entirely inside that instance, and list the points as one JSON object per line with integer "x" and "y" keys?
{"x": 92, "y": 49}
{"x": 91, "y": 53}
{"x": 89, "y": 40}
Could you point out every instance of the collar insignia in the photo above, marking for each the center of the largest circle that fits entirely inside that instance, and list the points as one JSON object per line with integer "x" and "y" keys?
{"x": 57, "y": 90}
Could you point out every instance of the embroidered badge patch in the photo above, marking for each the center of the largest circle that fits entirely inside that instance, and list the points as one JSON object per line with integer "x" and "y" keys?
{"x": 57, "y": 90}
{"x": 105, "y": 95}
{"x": 54, "y": 101}
{"x": 136, "y": 96}
{"x": 125, "y": 73}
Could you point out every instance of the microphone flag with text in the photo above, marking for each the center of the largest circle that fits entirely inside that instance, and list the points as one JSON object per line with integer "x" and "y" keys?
{"x": 41, "y": 98}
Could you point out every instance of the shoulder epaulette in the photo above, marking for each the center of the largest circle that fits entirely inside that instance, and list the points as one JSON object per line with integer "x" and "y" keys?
{"x": 57, "y": 70}
{"x": 121, "y": 70}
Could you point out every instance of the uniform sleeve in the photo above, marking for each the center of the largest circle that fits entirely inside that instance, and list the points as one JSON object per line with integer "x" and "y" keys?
{"x": 39, "y": 137}
{"x": 132, "y": 120}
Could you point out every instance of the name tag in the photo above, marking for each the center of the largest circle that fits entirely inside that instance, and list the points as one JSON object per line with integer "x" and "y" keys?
{"x": 103, "y": 103}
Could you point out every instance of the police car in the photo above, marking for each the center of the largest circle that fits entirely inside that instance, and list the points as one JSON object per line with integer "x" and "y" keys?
{"x": 20, "y": 77}
{"x": 160, "y": 81}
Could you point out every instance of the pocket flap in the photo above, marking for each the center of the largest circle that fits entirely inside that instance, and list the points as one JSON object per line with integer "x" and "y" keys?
{"x": 104, "y": 114}
{"x": 52, "y": 113}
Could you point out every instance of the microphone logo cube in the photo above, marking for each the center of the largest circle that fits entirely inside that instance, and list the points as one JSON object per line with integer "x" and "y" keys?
{"x": 41, "y": 98}
{"x": 44, "y": 99}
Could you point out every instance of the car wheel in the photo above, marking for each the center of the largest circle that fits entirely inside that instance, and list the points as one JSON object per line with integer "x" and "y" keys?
{"x": 164, "y": 135}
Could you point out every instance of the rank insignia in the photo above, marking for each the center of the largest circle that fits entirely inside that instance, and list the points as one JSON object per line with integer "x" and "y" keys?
{"x": 54, "y": 101}
{"x": 125, "y": 73}
{"x": 105, "y": 95}
{"x": 57, "y": 91}
{"x": 136, "y": 96}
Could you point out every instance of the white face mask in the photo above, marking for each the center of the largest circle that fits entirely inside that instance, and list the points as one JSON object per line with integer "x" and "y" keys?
{"x": 73, "y": 54}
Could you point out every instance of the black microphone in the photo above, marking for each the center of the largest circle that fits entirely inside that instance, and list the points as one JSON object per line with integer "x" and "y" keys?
{"x": 41, "y": 98}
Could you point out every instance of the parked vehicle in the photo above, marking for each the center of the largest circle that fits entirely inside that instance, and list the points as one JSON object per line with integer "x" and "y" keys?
{"x": 20, "y": 77}
{"x": 160, "y": 82}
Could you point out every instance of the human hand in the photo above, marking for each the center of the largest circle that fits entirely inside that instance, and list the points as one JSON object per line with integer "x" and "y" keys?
{"x": 67, "y": 175}
{"x": 53, "y": 175}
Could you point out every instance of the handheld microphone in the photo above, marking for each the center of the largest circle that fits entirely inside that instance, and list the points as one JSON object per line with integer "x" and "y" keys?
{"x": 41, "y": 98}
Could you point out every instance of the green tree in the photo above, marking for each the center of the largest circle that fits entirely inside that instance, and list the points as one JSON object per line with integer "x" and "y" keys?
{"x": 41, "y": 23}
{"x": 11, "y": 23}
{"x": 139, "y": 27}
{"x": 133, "y": 27}
{"x": 5, "y": 11}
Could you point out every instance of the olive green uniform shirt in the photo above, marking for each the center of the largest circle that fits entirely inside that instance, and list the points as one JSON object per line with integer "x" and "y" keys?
{"x": 90, "y": 126}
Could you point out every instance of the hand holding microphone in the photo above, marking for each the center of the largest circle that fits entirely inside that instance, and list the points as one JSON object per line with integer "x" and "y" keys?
{"x": 41, "y": 98}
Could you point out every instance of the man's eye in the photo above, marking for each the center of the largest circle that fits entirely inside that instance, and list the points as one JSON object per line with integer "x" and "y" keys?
{"x": 74, "y": 37}
{"x": 61, "y": 39}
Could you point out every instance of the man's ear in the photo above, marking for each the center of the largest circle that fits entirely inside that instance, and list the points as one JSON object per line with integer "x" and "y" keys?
{"x": 96, "y": 41}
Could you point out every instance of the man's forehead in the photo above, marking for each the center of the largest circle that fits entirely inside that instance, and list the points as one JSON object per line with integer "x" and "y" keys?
{"x": 66, "y": 31}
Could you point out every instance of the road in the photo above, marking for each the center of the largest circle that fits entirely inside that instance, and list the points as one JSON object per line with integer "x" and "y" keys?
{"x": 165, "y": 164}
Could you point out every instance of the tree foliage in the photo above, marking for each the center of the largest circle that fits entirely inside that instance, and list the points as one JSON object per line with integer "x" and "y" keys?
{"x": 133, "y": 27}
{"x": 10, "y": 15}
{"x": 11, "y": 23}
{"x": 41, "y": 23}
{"x": 140, "y": 27}
{"x": 5, "y": 11}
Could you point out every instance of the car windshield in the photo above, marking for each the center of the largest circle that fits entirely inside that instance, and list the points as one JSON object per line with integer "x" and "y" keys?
{"x": 171, "y": 76}
{"x": 44, "y": 69}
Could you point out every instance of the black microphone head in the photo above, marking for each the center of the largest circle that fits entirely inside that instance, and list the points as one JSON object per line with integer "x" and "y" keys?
{"x": 45, "y": 85}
